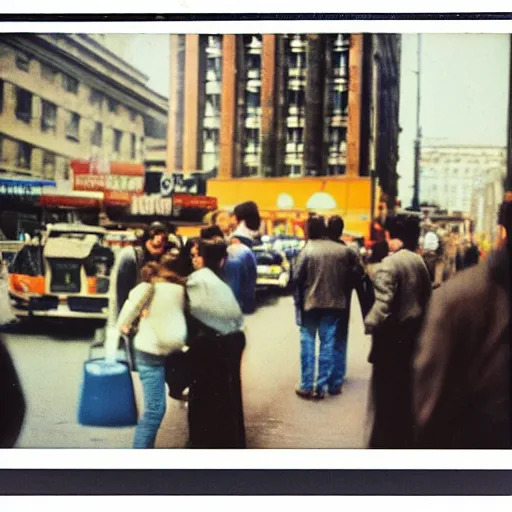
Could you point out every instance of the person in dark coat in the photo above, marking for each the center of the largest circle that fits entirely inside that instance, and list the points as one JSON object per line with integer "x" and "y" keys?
{"x": 12, "y": 401}
{"x": 216, "y": 341}
{"x": 402, "y": 291}
{"x": 462, "y": 366}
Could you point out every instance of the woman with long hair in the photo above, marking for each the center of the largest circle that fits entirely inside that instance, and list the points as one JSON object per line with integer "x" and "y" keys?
{"x": 162, "y": 329}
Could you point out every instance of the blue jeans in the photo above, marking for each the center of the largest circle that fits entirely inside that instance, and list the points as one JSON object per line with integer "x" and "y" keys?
{"x": 339, "y": 353}
{"x": 325, "y": 322}
{"x": 153, "y": 386}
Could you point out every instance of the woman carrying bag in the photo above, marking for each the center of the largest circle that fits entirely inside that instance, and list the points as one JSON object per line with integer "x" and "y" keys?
{"x": 161, "y": 329}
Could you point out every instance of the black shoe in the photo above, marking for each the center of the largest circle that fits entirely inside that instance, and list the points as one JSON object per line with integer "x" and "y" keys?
{"x": 303, "y": 393}
{"x": 335, "y": 391}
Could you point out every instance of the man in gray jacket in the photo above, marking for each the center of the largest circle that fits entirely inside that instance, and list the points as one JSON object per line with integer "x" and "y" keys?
{"x": 402, "y": 291}
{"x": 321, "y": 278}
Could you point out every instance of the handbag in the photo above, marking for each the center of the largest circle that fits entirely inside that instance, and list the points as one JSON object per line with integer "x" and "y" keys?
{"x": 107, "y": 397}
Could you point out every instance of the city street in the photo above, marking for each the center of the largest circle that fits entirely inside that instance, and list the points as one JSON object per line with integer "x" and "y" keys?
{"x": 50, "y": 366}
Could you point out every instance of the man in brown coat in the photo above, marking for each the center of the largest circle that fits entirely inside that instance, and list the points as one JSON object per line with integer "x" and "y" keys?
{"x": 462, "y": 367}
{"x": 402, "y": 291}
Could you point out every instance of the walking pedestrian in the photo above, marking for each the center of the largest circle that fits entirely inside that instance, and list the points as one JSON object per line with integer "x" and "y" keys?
{"x": 161, "y": 329}
{"x": 402, "y": 291}
{"x": 216, "y": 342}
{"x": 355, "y": 280}
{"x": 321, "y": 278}
{"x": 462, "y": 366}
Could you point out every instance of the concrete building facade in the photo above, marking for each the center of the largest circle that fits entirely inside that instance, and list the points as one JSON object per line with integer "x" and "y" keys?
{"x": 259, "y": 116}
{"x": 64, "y": 97}
{"x": 454, "y": 177}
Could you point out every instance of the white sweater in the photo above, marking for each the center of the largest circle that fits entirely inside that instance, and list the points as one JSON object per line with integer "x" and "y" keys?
{"x": 165, "y": 327}
{"x": 213, "y": 303}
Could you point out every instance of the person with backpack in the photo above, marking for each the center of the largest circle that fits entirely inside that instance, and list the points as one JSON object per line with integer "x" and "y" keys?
{"x": 159, "y": 308}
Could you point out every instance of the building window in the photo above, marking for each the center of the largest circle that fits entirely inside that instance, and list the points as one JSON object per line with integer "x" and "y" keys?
{"x": 23, "y": 105}
{"x": 96, "y": 97}
{"x": 22, "y": 62}
{"x": 48, "y": 73}
{"x": 133, "y": 115}
{"x": 113, "y": 105}
{"x": 132, "y": 146}
{"x": 73, "y": 126}
{"x": 117, "y": 141}
{"x": 70, "y": 84}
{"x": 49, "y": 117}
{"x": 97, "y": 135}
{"x": 24, "y": 157}
{"x": 48, "y": 165}
{"x": 1, "y": 95}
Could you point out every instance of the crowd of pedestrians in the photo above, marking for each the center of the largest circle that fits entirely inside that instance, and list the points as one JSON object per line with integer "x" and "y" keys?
{"x": 440, "y": 356}
{"x": 191, "y": 299}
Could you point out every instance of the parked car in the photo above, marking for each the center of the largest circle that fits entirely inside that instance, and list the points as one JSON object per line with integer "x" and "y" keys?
{"x": 64, "y": 275}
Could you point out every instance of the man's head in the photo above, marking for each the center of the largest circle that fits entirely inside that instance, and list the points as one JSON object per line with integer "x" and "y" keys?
{"x": 157, "y": 235}
{"x": 335, "y": 227}
{"x": 249, "y": 214}
{"x": 408, "y": 230}
{"x": 212, "y": 254}
{"x": 315, "y": 227}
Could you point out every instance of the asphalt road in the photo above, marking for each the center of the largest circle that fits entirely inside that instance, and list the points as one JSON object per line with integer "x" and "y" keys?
{"x": 50, "y": 359}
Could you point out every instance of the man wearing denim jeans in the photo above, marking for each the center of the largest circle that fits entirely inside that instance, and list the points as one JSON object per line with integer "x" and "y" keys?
{"x": 320, "y": 279}
{"x": 335, "y": 227}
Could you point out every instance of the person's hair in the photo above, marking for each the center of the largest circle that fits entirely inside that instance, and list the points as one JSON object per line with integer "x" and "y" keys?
{"x": 335, "y": 227}
{"x": 408, "y": 230}
{"x": 211, "y": 232}
{"x": 213, "y": 252}
{"x": 215, "y": 215}
{"x": 169, "y": 268}
{"x": 149, "y": 271}
{"x": 156, "y": 228}
{"x": 315, "y": 227}
{"x": 249, "y": 213}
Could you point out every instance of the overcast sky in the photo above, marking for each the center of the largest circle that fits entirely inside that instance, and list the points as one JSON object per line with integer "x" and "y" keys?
{"x": 464, "y": 94}
{"x": 464, "y": 88}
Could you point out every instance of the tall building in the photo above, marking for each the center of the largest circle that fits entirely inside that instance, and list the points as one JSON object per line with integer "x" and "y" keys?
{"x": 454, "y": 177}
{"x": 291, "y": 121}
{"x": 66, "y": 96}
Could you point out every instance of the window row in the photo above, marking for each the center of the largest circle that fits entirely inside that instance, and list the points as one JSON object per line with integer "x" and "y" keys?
{"x": 21, "y": 155}
{"x": 71, "y": 84}
{"x": 49, "y": 122}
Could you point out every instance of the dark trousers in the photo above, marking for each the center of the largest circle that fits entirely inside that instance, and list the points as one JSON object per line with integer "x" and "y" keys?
{"x": 391, "y": 395}
{"x": 215, "y": 410}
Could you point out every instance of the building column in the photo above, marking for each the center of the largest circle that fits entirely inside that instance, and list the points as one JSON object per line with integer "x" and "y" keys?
{"x": 268, "y": 73}
{"x": 190, "y": 128}
{"x": 228, "y": 108}
{"x": 354, "y": 104}
{"x": 172, "y": 127}
{"x": 315, "y": 80}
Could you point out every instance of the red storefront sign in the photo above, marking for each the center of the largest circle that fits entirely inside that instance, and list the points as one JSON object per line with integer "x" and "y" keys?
{"x": 192, "y": 201}
{"x": 117, "y": 176}
{"x": 71, "y": 201}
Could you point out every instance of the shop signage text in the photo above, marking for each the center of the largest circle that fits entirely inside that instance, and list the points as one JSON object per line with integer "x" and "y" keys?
{"x": 151, "y": 205}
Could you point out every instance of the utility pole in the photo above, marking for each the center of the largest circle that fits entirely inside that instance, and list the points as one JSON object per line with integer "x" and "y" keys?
{"x": 417, "y": 142}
